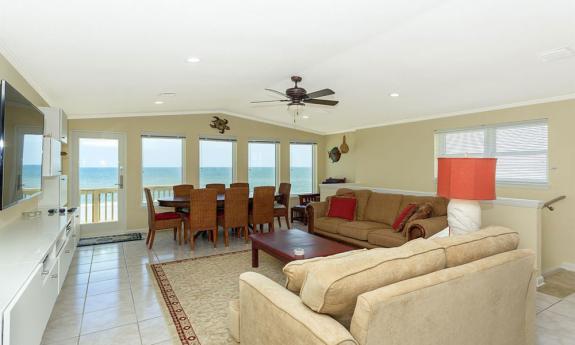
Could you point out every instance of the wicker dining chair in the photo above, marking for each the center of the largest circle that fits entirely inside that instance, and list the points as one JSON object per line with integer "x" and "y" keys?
{"x": 235, "y": 213}
{"x": 220, "y": 187}
{"x": 182, "y": 190}
{"x": 262, "y": 210}
{"x": 281, "y": 208}
{"x": 240, "y": 184}
{"x": 161, "y": 221}
{"x": 203, "y": 215}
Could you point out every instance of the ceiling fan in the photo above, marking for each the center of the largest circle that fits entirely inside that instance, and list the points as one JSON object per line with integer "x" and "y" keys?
{"x": 298, "y": 96}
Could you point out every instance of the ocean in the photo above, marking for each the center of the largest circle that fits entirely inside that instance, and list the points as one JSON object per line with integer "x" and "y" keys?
{"x": 94, "y": 178}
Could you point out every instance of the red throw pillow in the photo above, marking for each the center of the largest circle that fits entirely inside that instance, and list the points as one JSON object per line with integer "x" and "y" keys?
{"x": 403, "y": 216}
{"x": 342, "y": 207}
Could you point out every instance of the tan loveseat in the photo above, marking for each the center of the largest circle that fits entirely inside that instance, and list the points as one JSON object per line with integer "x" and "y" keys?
{"x": 373, "y": 218}
{"x": 475, "y": 289}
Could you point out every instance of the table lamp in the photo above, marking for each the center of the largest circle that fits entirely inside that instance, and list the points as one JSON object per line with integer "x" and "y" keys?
{"x": 465, "y": 181}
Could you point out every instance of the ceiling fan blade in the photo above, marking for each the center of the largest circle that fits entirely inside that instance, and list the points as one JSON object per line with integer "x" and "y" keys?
{"x": 275, "y": 100}
{"x": 279, "y": 93}
{"x": 321, "y": 101}
{"x": 320, "y": 93}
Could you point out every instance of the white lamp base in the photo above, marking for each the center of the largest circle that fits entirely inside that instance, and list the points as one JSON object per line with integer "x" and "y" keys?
{"x": 463, "y": 216}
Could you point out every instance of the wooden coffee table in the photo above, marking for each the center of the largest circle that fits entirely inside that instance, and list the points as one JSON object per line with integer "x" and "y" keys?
{"x": 281, "y": 243}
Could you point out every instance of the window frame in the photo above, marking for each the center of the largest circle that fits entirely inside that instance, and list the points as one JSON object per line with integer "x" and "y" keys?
{"x": 490, "y": 149}
{"x": 277, "y": 159}
{"x": 314, "y": 184}
{"x": 154, "y": 135}
{"x": 234, "y": 142}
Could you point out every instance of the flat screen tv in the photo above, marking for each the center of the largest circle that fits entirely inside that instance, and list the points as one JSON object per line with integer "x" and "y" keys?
{"x": 21, "y": 134}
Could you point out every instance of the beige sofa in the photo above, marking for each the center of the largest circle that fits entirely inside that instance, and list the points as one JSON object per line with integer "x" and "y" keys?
{"x": 466, "y": 290}
{"x": 374, "y": 215}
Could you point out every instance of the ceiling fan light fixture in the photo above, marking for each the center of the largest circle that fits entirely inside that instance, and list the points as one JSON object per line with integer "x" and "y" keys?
{"x": 296, "y": 109}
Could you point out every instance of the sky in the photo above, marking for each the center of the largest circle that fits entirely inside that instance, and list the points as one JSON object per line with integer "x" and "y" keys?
{"x": 31, "y": 154}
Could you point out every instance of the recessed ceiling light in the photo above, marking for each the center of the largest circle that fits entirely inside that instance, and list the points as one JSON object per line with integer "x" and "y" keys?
{"x": 159, "y": 102}
{"x": 193, "y": 59}
{"x": 305, "y": 117}
{"x": 394, "y": 94}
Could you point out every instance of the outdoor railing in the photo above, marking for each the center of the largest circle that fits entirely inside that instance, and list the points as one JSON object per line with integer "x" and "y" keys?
{"x": 98, "y": 205}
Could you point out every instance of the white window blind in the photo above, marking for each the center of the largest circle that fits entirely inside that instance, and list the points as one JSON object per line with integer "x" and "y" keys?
{"x": 520, "y": 149}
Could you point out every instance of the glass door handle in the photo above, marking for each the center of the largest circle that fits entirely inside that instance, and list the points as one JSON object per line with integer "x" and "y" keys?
{"x": 121, "y": 184}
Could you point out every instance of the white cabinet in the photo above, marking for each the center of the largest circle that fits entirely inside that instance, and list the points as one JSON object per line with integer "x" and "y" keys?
{"x": 54, "y": 192}
{"x": 26, "y": 318}
{"x": 55, "y": 124}
{"x": 51, "y": 158}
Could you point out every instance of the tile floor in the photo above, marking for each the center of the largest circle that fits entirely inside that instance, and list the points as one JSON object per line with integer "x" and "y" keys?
{"x": 555, "y": 315}
{"x": 109, "y": 298}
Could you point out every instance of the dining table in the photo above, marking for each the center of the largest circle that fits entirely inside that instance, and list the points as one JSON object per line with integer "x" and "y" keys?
{"x": 184, "y": 201}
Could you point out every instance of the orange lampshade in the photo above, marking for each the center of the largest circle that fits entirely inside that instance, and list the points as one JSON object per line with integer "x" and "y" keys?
{"x": 466, "y": 178}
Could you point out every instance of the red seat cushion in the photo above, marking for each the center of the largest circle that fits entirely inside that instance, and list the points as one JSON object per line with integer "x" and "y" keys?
{"x": 167, "y": 215}
{"x": 403, "y": 216}
{"x": 342, "y": 208}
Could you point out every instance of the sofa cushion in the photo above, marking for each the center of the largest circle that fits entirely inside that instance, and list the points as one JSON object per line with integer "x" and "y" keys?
{"x": 333, "y": 286}
{"x": 362, "y": 196}
{"x": 358, "y": 229}
{"x": 438, "y": 204}
{"x": 477, "y": 245}
{"x": 296, "y": 271}
{"x": 383, "y": 207}
{"x": 343, "y": 208}
{"x": 329, "y": 224}
{"x": 403, "y": 217}
{"x": 386, "y": 238}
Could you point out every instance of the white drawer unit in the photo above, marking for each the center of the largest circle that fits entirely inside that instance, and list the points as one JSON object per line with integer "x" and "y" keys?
{"x": 45, "y": 248}
{"x": 26, "y": 317}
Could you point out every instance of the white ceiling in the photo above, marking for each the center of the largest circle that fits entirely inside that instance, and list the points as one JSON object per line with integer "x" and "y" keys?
{"x": 112, "y": 57}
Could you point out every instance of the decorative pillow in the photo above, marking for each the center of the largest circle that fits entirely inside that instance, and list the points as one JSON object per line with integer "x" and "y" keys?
{"x": 423, "y": 212}
{"x": 342, "y": 208}
{"x": 403, "y": 216}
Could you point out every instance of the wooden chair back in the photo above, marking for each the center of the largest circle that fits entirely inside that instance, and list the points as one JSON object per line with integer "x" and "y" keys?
{"x": 182, "y": 190}
{"x": 240, "y": 184}
{"x": 263, "y": 205}
{"x": 305, "y": 199}
{"x": 236, "y": 207}
{"x": 220, "y": 187}
{"x": 284, "y": 190}
{"x": 203, "y": 209}
{"x": 150, "y": 206}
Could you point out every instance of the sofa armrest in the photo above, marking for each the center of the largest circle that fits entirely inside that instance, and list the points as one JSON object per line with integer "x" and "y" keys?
{"x": 272, "y": 315}
{"x": 314, "y": 211}
{"x": 425, "y": 227}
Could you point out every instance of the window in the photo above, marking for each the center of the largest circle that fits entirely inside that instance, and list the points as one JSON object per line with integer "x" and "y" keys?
{"x": 162, "y": 164}
{"x": 262, "y": 163}
{"x": 302, "y": 168}
{"x": 217, "y": 161}
{"x": 520, "y": 149}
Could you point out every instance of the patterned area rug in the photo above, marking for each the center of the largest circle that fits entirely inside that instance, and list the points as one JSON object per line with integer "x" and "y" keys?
{"x": 197, "y": 292}
{"x": 92, "y": 241}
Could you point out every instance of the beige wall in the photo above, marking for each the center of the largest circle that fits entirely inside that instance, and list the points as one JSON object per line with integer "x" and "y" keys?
{"x": 402, "y": 156}
{"x": 193, "y": 126}
{"x": 346, "y": 165}
{"x": 8, "y": 73}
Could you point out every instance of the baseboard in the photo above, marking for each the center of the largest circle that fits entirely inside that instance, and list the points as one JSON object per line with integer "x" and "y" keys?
{"x": 87, "y": 234}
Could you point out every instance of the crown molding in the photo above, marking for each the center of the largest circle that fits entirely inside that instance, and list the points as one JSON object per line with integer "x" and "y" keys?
{"x": 461, "y": 113}
{"x": 195, "y": 112}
